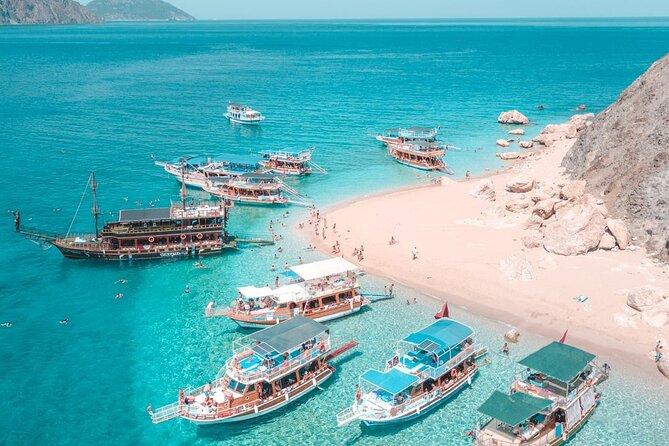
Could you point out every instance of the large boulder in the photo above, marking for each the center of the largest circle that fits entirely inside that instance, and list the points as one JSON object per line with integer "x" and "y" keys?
{"x": 512, "y": 117}
{"x": 526, "y": 144}
{"x": 512, "y": 335}
{"x": 619, "y": 230}
{"x": 546, "y": 139}
{"x": 577, "y": 228}
{"x": 520, "y": 184}
{"x": 573, "y": 189}
{"x": 502, "y": 143}
{"x": 517, "y": 132}
{"x": 484, "y": 189}
{"x": 518, "y": 205}
{"x": 608, "y": 242}
{"x": 544, "y": 208}
{"x": 581, "y": 121}
{"x": 508, "y": 155}
{"x": 644, "y": 298}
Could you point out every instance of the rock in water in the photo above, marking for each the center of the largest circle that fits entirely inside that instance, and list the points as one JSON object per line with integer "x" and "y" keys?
{"x": 512, "y": 117}
{"x": 526, "y": 144}
{"x": 39, "y": 12}
{"x": 517, "y": 132}
{"x": 502, "y": 143}
{"x": 578, "y": 228}
{"x": 644, "y": 298}
{"x": 512, "y": 335}
{"x": 624, "y": 157}
{"x": 619, "y": 230}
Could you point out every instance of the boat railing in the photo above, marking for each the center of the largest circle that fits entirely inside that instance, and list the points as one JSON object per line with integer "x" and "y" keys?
{"x": 168, "y": 412}
{"x": 483, "y": 439}
{"x": 276, "y": 372}
{"x": 436, "y": 372}
{"x": 150, "y": 229}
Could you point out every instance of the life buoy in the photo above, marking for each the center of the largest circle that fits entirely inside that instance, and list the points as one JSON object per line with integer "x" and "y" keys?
{"x": 199, "y": 236}
{"x": 589, "y": 382}
{"x": 152, "y": 239}
{"x": 183, "y": 236}
{"x": 454, "y": 373}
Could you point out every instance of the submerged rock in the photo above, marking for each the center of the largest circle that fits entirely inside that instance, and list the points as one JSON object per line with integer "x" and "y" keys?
{"x": 512, "y": 117}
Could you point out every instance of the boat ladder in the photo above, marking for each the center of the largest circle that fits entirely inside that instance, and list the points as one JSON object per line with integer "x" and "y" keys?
{"x": 294, "y": 193}
{"x": 315, "y": 168}
{"x": 347, "y": 415}
{"x": 168, "y": 412}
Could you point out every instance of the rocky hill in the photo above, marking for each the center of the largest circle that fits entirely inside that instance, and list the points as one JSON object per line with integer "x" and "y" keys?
{"x": 32, "y": 12}
{"x": 624, "y": 157}
{"x": 137, "y": 10}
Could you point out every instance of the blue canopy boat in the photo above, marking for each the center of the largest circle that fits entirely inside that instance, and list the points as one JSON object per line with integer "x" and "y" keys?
{"x": 550, "y": 401}
{"x": 431, "y": 366}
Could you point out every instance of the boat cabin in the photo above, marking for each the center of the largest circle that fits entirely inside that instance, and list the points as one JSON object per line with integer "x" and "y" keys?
{"x": 288, "y": 163}
{"x": 259, "y": 188}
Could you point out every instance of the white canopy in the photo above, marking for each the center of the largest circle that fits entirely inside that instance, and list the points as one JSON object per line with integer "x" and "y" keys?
{"x": 290, "y": 293}
{"x": 252, "y": 292}
{"x": 315, "y": 270}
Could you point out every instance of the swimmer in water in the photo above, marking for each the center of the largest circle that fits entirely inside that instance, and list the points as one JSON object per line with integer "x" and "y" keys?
{"x": 198, "y": 265}
{"x": 6, "y": 324}
{"x": 121, "y": 281}
{"x": 119, "y": 295}
{"x": 187, "y": 290}
{"x": 64, "y": 321}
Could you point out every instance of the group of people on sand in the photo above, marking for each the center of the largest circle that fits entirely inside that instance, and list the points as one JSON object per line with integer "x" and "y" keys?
{"x": 359, "y": 253}
{"x": 336, "y": 249}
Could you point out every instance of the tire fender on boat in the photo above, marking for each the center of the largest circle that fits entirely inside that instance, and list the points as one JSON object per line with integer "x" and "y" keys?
{"x": 199, "y": 236}
{"x": 183, "y": 237}
{"x": 152, "y": 239}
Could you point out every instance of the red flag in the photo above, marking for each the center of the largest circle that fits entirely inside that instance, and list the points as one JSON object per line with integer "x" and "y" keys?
{"x": 564, "y": 337}
{"x": 442, "y": 313}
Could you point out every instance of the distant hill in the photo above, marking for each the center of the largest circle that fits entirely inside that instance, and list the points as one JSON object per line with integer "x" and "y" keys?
{"x": 137, "y": 10}
{"x": 33, "y": 12}
{"x": 624, "y": 156}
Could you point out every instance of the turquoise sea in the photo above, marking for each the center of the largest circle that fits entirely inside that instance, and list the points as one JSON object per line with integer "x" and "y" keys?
{"x": 103, "y": 98}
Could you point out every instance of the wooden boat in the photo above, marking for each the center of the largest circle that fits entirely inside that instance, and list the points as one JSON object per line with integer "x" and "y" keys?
{"x": 431, "y": 366}
{"x": 269, "y": 369}
{"x": 550, "y": 400}
{"x": 404, "y": 135}
{"x": 323, "y": 290}
{"x": 243, "y": 114}
{"x": 254, "y": 188}
{"x": 420, "y": 155}
{"x": 183, "y": 229}
{"x": 290, "y": 163}
{"x": 195, "y": 170}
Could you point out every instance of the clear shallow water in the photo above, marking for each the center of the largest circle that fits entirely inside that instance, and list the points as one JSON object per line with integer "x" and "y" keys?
{"x": 74, "y": 99}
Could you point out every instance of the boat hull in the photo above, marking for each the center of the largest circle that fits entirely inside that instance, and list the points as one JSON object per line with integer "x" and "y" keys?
{"x": 425, "y": 408}
{"x": 74, "y": 253}
{"x": 243, "y": 121}
{"x": 420, "y": 166}
{"x": 268, "y": 322}
{"x": 271, "y": 406}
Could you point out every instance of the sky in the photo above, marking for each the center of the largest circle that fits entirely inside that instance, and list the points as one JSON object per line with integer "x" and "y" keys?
{"x": 365, "y": 9}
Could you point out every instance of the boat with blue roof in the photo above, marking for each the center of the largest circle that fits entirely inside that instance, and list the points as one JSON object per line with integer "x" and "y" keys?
{"x": 408, "y": 135}
{"x": 195, "y": 170}
{"x": 431, "y": 366}
{"x": 268, "y": 370}
{"x": 549, "y": 401}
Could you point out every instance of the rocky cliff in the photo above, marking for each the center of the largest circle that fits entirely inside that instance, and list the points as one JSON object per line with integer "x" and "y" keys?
{"x": 32, "y": 12}
{"x": 137, "y": 10}
{"x": 624, "y": 157}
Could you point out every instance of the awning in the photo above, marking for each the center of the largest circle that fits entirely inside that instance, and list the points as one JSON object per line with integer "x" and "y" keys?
{"x": 513, "y": 409}
{"x": 252, "y": 292}
{"x": 393, "y": 381}
{"x": 289, "y": 293}
{"x": 323, "y": 268}
{"x": 130, "y": 215}
{"x": 560, "y": 361}
{"x": 288, "y": 335}
{"x": 442, "y": 334}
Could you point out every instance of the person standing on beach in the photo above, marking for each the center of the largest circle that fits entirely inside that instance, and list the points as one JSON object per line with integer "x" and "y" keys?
{"x": 414, "y": 253}
{"x": 391, "y": 290}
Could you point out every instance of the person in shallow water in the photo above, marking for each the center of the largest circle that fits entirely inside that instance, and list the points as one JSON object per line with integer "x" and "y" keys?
{"x": 6, "y": 324}
{"x": 64, "y": 321}
{"x": 505, "y": 348}
{"x": 187, "y": 290}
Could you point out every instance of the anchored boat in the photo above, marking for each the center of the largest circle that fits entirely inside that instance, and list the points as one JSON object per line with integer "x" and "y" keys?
{"x": 431, "y": 366}
{"x": 421, "y": 155}
{"x": 549, "y": 402}
{"x": 195, "y": 170}
{"x": 268, "y": 370}
{"x": 401, "y": 136}
{"x": 323, "y": 290}
{"x": 183, "y": 229}
{"x": 290, "y": 163}
{"x": 243, "y": 114}
{"x": 254, "y": 188}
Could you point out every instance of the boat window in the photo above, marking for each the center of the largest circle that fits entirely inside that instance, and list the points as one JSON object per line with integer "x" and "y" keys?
{"x": 329, "y": 300}
{"x": 234, "y": 384}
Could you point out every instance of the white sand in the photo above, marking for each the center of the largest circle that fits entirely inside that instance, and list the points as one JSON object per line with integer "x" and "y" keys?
{"x": 460, "y": 250}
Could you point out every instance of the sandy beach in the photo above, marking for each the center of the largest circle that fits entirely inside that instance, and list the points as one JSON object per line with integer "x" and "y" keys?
{"x": 469, "y": 254}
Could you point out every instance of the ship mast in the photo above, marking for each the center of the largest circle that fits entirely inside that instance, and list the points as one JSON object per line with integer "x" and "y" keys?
{"x": 96, "y": 209}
